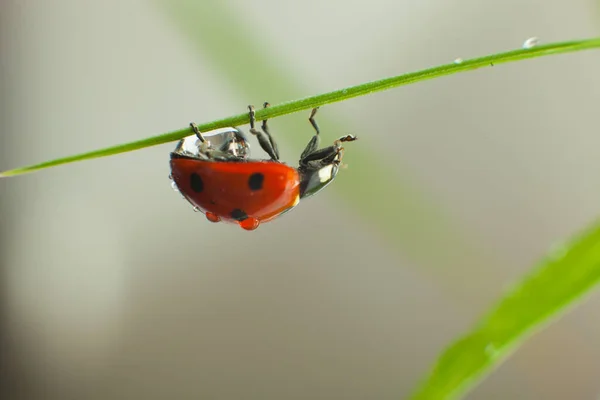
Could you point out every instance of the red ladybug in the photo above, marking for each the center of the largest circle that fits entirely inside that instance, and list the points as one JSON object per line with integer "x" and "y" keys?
{"x": 214, "y": 173}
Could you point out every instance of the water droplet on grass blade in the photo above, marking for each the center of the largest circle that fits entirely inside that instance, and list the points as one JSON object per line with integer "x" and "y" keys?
{"x": 458, "y": 60}
{"x": 491, "y": 350}
{"x": 558, "y": 251}
{"x": 530, "y": 43}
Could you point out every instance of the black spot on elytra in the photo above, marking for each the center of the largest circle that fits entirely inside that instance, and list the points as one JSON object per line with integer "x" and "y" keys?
{"x": 239, "y": 215}
{"x": 196, "y": 183}
{"x": 256, "y": 181}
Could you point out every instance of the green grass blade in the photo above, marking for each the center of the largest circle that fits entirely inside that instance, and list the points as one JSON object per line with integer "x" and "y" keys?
{"x": 326, "y": 98}
{"x": 564, "y": 277}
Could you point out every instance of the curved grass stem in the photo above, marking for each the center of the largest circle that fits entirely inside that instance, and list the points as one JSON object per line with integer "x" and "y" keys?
{"x": 323, "y": 99}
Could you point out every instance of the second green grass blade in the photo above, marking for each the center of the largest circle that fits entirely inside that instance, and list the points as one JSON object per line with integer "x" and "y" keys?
{"x": 558, "y": 282}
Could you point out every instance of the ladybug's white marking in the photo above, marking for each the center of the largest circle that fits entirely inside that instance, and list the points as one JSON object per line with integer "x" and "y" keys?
{"x": 325, "y": 173}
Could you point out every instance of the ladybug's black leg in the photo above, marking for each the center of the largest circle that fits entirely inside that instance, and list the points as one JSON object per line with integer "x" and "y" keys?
{"x": 265, "y": 129}
{"x": 264, "y": 123}
{"x": 327, "y": 155}
{"x": 264, "y": 137}
{"x": 312, "y": 120}
{"x": 204, "y": 148}
{"x": 313, "y": 144}
{"x": 197, "y": 132}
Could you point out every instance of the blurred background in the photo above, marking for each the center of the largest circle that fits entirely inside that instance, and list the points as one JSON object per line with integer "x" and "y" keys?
{"x": 112, "y": 287}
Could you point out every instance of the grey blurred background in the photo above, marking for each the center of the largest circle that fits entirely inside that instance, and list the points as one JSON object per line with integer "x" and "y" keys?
{"x": 113, "y": 288}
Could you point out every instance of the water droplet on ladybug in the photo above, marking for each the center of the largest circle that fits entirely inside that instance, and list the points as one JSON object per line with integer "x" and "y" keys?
{"x": 530, "y": 43}
{"x": 174, "y": 186}
{"x": 229, "y": 140}
{"x": 212, "y": 217}
{"x": 250, "y": 224}
{"x": 458, "y": 60}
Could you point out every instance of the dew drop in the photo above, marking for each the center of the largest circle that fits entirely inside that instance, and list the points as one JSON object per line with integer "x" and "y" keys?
{"x": 212, "y": 217}
{"x": 250, "y": 224}
{"x": 558, "y": 251}
{"x": 174, "y": 186}
{"x": 458, "y": 60}
{"x": 491, "y": 350}
{"x": 530, "y": 43}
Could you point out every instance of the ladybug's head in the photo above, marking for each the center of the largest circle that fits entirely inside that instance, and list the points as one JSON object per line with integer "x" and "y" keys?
{"x": 316, "y": 178}
{"x": 318, "y": 167}
{"x": 220, "y": 144}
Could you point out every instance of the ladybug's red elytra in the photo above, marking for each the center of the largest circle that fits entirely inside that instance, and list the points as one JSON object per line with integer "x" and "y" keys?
{"x": 214, "y": 172}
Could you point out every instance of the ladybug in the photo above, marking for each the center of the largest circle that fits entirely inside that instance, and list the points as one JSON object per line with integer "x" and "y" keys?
{"x": 214, "y": 172}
